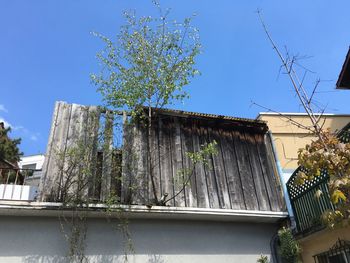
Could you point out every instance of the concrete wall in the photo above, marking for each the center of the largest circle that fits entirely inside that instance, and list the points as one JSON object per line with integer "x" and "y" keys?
{"x": 321, "y": 242}
{"x": 39, "y": 239}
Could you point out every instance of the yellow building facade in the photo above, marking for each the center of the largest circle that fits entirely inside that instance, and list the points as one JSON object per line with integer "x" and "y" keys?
{"x": 288, "y": 138}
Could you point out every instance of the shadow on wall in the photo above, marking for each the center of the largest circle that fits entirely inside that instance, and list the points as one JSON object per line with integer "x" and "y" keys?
{"x": 155, "y": 259}
{"x": 60, "y": 259}
{"x": 35, "y": 239}
{"x": 95, "y": 259}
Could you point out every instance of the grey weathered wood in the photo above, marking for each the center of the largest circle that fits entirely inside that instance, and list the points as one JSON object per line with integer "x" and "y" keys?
{"x": 219, "y": 170}
{"x": 201, "y": 182}
{"x": 265, "y": 154}
{"x": 128, "y": 160}
{"x": 69, "y": 152}
{"x": 249, "y": 192}
{"x": 187, "y": 147}
{"x": 166, "y": 159}
{"x": 258, "y": 176}
{"x": 107, "y": 149}
{"x": 209, "y": 172}
{"x": 54, "y": 177}
{"x": 91, "y": 139}
{"x": 155, "y": 160}
{"x": 232, "y": 171}
{"x": 135, "y": 172}
{"x": 142, "y": 175}
{"x": 241, "y": 176}
{"x": 73, "y": 178}
{"x": 177, "y": 162}
{"x": 49, "y": 154}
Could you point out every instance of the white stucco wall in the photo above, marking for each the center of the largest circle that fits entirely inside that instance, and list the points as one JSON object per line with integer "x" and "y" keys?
{"x": 37, "y": 159}
{"x": 39, "y": 239}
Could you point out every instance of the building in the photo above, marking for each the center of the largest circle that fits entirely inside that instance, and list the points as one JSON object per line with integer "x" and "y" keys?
{"x": 289, "y": 138}
{"x": 34, "y": 164}
{"x": 319, "y": 244}
{"x": 227, "y": 209}
{"x": 344, "y": 75}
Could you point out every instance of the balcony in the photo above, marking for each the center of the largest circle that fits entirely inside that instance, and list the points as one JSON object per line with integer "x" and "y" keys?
{"x": 19, "y": 184}
{"x": 308, "y": 208}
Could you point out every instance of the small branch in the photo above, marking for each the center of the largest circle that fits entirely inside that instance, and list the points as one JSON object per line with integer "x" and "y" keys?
{"x": 295, "y": 123}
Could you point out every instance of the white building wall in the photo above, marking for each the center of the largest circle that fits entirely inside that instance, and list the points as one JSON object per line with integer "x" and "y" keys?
{"x": 39, "y": 239}
{"x": 37, "y": 159}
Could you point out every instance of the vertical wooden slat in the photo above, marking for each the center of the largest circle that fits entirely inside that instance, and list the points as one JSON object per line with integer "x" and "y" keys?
{"x": 219, "y": 170}
{"x": 155, "y": 162}
{"x": 107, "y": 156}
{"x": 232, "y": 171}
{"x": 262, "y": 155}
{"x": 92, "y": 128}
{"x": 201, "y": 182}
{"x": 187, "y": 147}
{"x": 249, "y": 192}
{"x": 209, "y": 173}
{"x": 258, "y": 176}
{"x": 73, "y": 181}
{"x": 165, "y": 159}
{"x": 269, "y": 173}
{"x": 128, "y": 160}
{"x": 140, "y": 174}
{"x": 177, "y": 162}
{"x": 49, "y": 153}
{"x": 53, "y": 178}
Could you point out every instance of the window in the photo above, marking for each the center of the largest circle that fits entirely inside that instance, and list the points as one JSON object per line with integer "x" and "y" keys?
{"x": 339, "y": 253}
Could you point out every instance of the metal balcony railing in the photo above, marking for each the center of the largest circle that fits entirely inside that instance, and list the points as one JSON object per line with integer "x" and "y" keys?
{"x": 307, "y": 207}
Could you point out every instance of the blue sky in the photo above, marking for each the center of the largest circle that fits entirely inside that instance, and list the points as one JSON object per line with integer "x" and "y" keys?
{"x": 47, "y": 53}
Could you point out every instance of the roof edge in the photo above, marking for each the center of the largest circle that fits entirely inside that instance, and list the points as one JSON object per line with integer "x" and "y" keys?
{"x": 24, "y": 208}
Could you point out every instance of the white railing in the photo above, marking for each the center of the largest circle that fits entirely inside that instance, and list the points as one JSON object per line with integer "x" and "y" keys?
{"x": 15, "y": 184}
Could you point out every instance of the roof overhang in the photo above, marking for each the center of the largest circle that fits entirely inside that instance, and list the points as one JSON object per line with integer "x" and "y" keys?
{"x": 48, "y": 209}
{"x": 344, "y": 76}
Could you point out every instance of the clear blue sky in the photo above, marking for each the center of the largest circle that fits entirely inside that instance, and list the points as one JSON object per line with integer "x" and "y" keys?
{"x": 47, "y": 54}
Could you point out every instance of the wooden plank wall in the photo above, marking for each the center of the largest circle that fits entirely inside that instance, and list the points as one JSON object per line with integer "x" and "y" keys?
{"x": 240, "y": 176}
{"x": 72, "y": 125}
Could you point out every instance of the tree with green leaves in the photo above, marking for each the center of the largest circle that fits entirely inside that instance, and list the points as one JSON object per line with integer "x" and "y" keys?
{"x": 9, "y": 150}
{"x": 147, "y": 66}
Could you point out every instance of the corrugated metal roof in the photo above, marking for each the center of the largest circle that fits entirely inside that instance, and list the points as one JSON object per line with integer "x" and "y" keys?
{"x": 210, "y": 116}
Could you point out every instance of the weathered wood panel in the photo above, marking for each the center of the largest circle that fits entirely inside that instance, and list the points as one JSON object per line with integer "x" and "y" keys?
{"x": 176, "y": 151}
{"x": 209, "y": 173}
{"x": 240, "y": 176}
{"x": 155, "y": 162}
{"x": 72, "y": 180}
{"x": 267, "y": 156}
{"x": 52, "y": 173}
{"x": 233, "y": 179}
{"x": 258, "y": 177}
{"x": 46, "y": 182}
{"x": 248, "y": 186}
{"x": 189, "y": 169}
{"x": 107, "y": 148}
{"x": 166, "y": 167}
{"x": 128, "y": 160}
{"x": 231, "y": 168}
{"x": 219, "y": 170}
{"x": 201, "y": 182}
{"x": 69, "y": 149}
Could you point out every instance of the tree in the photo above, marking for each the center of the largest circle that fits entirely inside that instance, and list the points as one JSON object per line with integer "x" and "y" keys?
{"x": 329, "y": 152}
{"x": 147, "y": 66}
{"x": 9, "y": 150}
